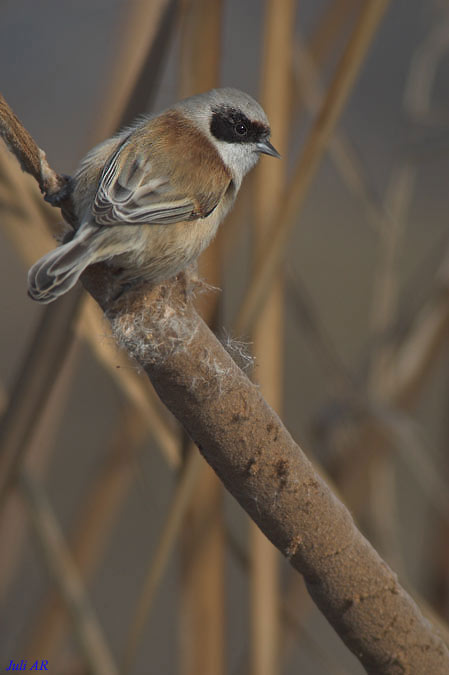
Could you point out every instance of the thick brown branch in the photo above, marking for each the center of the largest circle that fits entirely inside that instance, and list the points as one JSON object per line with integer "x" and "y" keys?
{"x": 260, "y": 464}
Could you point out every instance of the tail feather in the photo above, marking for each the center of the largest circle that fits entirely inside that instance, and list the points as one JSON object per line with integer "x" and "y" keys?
{"x": 58, "y": 271}
{"x": 68, "y": 257}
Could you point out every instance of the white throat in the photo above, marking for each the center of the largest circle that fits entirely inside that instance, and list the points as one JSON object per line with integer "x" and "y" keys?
{"x": 238, "y": 157}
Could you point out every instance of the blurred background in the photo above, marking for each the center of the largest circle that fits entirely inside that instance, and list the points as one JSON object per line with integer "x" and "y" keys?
{"x": 119, "y": 550}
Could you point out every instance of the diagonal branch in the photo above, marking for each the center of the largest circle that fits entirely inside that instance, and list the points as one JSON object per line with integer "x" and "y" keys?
{"x": 259, "y": 463}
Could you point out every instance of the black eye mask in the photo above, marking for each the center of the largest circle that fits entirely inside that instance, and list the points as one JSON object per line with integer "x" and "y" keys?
{"x": 232, "y": 126}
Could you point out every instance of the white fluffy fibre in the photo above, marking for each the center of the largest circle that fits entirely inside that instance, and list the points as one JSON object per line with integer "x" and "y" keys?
{"x": 239, "y": 351}
{"x": 172, "y": 329}
{"x": 174, "y": 333}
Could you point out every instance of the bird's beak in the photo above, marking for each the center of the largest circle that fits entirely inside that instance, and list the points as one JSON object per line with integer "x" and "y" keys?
{"x": 266, "y": 148}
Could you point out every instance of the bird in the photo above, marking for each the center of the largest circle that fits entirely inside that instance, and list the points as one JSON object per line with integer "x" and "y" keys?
{"x": 149, "y": 200}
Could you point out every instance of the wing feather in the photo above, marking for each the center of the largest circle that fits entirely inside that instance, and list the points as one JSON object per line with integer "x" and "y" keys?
{"x": 135, "y": 188}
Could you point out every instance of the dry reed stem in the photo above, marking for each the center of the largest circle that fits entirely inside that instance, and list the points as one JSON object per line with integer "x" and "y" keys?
{"x": 301, "y": 622}
{"x": 315, "y": 146}
{"x": 323, "y": 42}
{"x": 341, "y": 380}
{"x": 341, "y": 151}
{"x": 65, "y": 574}
{"x": 202, "y": 543}
{"x": 399, "y": 372}
{"x": 173, "y": 522}
{"x": 268, "y": 335}
{"x": 381, "y": 483}
{"x": 93, "y": 528}
{"x": 385, "y": 292}
{"x": 33, "y": 385}
{"x": 404, "y": 369}
{"x": 139, "y": 25}
{"x": 420, "y": 105}
{"x": 422, "y": 74}
{"x": 405, "y": 435}
{"x": 329, "y": 29}
{"x": 147, "y": 85}
{"x": 414, "y": 357}
{"x": 409, "y": 364}
{"x": 13, "y": 518}
{"x": 201, "y": 22}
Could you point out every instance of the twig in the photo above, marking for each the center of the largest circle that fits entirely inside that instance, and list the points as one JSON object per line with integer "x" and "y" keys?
{"x": 31, "y": 158}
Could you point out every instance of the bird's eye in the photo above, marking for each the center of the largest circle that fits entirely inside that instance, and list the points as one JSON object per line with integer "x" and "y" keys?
{"x": 241, "y": 129}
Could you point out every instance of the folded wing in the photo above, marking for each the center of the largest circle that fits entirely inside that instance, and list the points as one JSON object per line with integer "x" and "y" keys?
{"x": 135, "y": 189}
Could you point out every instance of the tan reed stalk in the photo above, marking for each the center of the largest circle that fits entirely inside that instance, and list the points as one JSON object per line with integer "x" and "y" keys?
{"x": 95, "y": 522}
{"x": 138, "y": 25}
{"x": 202, "y": 600}
{"x": 268, "y": 335}
{"x": 13, "y": 518}
{"x": 174, "y": 521}
{"x": 65, "y": 574}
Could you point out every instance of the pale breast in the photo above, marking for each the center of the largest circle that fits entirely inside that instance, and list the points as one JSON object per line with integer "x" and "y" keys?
{"x": 159, "y": 252}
